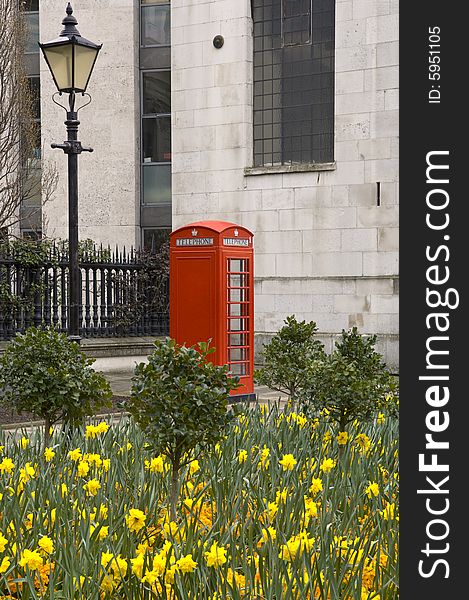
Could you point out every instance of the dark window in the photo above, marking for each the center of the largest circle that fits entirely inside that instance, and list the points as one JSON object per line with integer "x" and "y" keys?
{"x": 156, "y": 92}
{"x": 32, "y": 235}
{"x": 155, "y": 23}
{"x": 32, "y": 32}
{"x": 293, "y": 81}
{"x": 296, "y": 22}
{"x": 155, "y": 130}
{"x": 156, "y": 139}
{"x": 30, "y": 5}
{"x": 155, "y": 238}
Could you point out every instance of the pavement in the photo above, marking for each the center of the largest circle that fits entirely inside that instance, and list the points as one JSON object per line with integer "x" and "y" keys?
{"x": 120, "y": 382}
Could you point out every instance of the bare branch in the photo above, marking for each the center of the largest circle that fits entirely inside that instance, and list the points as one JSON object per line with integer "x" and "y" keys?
{"x": 22, "y": 180}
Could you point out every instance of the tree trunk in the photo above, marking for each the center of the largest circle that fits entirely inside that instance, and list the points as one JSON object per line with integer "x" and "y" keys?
{"x": 174, "y": 490}
{"x": 47, "y": 436}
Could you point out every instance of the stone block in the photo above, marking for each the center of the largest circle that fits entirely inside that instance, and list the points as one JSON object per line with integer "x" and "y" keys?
{"x": 381, "y": 29}
{"x": 358, "y": 240}
{"x": 378, "y": 216}
{"x": 351, "y": 304}
{"x": 263, "y": 303}
{"x": 347, "y": 151}
{"x": 322, "y": 304}
{"x": 388, "y": 239}
{"x": 293, "y": 303}
{"x": 382, "y": 170}
{"x": 260, "y": 221}
{"x": 321, "y": 240}
{"x": 355, "y": 59}
{"x": 384, "y": 124}
{"x": 334, "y": 218}
{"x": 374, "y": 149}
{"x": 294, "y": 265}
{"x": 347, "y": 82}
{"x": 343, "y": 11}
{"x": 385, "y": 304}
{"x": 224, "y": 181}
{"x": 387, "y": 54}
{"x": 350, "y": 34}
{"x": 382, "y": 78}
{"x": 370, "y": 100}
{"x": 380, "y": 263}
{"x": 380, "y": 286}
{"x": 187, "y": 56}
{"x": 333, "y": 264}
{"x": 229, "y": 159}
{"x": 352, "y": 127}
{"x": 281, "y": 242}
{"x": 297, "y": 219}
{"x": 264, "y": 264}
{"x": 370, "y": 8}
{"x": 274, "y": 198}
{"x": 340, "y": 195}
{"x": 391, "y": 99}
{"x": 186, "y": 162}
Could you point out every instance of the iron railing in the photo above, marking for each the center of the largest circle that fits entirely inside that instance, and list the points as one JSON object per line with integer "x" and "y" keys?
{"x": 121, "y": 296}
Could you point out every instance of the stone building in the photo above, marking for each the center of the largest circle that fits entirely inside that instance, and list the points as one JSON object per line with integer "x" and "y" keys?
{"x": 279, "y": 115}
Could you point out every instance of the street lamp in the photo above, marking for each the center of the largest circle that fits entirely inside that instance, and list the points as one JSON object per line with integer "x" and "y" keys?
{"x": 71, "y": 59}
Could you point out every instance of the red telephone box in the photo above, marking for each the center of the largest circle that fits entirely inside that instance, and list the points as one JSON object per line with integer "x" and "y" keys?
{"x": 212, "y": 295}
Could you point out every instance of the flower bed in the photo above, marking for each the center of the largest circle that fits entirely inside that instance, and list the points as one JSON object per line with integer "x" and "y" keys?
{"x": 285, "y": 507}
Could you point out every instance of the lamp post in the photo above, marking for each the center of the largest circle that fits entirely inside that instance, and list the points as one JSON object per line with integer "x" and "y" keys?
{"x": 71, "y": 59}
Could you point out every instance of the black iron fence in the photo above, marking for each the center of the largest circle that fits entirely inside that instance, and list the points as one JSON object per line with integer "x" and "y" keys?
{"x": 123, "y": 294}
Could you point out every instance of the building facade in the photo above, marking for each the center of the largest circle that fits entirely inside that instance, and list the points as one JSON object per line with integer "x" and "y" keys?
{"x": 279, "y": 115}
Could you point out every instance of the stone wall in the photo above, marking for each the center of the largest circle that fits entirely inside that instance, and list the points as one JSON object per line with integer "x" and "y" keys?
{"x": 326, "y": 241}
{"x": 107, "y": 178}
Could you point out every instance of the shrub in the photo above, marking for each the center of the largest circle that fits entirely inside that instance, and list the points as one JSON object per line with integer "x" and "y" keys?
{"x": 43, "y": 373}
{"x": 180, "y": 402}
{"x": 290, "y": 357}
{"x": 351, "y": 383}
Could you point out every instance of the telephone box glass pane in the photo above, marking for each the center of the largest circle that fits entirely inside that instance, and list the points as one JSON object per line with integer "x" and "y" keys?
{"x": 237, "y": 280}
{"x": 238, "y": 295}
{"x": 238, "y": 369}
{"x": 238, "y": 310}
{"x": 237, "y": 325}
{"x": 237, "y": 265}
{"x": 237, "y": 339}
{"x": 237, "y": 354}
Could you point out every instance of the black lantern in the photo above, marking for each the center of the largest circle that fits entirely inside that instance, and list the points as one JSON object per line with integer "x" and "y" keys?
{"x": 71, "y": 59}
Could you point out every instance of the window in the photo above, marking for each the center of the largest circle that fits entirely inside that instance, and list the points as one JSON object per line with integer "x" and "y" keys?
{"x": 155, "y": 121}
{"x": 31, "y": 9}
{"x": 32, "y": 235}
{"x": 155, "y": 23}
{"x": 296, "y": 22}
{"x": 293, "y": 81}
{"x": 156, "y": 136}
{"x": 155, "y": 238}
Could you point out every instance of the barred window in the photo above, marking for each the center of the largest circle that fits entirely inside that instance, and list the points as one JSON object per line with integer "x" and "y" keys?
{"x": 293, "y": 81}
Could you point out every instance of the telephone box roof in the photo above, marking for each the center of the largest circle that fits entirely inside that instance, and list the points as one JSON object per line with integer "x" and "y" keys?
{"x": 217, "y": 226}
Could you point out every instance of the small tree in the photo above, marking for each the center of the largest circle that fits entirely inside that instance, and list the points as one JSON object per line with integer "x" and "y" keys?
{"x": 43, "y": 373}
{"x": 180, "y": 402}
{"x": 289, "y": 358}
{"x": 351, "y": 383}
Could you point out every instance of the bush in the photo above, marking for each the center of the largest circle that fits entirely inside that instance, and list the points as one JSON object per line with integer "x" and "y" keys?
{"x": 290, "y": 357}
{"x": 43, "y": 373}
{"x": 180, "y": 401}
{"x": 351, "y": 383}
